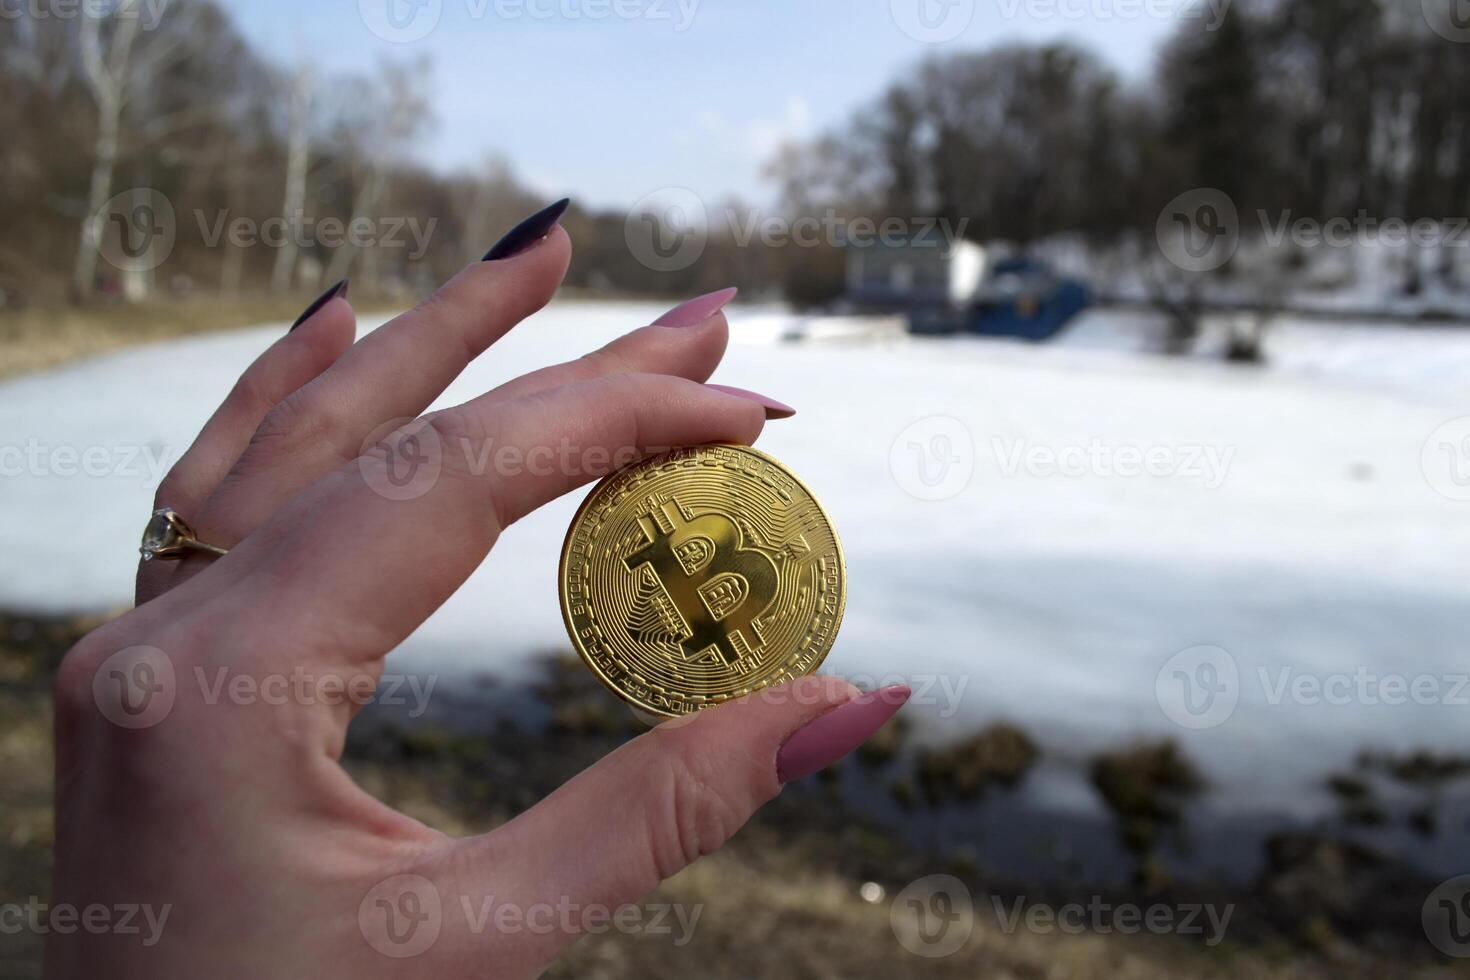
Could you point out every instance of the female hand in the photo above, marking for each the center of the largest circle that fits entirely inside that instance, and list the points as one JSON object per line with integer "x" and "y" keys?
{"x": 230, "y": 821}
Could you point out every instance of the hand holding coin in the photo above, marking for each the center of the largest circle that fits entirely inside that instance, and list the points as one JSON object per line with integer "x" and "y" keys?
{"x": 237, "y": 815}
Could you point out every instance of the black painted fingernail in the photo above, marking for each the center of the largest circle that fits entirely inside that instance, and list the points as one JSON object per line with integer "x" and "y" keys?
{"x": 338, "y": 290}
{"x": 528, "y": 232}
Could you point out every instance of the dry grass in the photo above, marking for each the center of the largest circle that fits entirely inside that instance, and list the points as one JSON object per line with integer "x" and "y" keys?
{"x": 37, "y": 339}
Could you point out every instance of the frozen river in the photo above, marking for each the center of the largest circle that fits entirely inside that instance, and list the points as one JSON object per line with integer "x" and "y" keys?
{"x": 1079, "y": 537}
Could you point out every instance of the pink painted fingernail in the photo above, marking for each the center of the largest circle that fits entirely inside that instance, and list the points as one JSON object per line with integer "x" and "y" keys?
{"x": 830, "y": 737}
{"x": 774, "y": 409}
{"x": 696, "y": 310}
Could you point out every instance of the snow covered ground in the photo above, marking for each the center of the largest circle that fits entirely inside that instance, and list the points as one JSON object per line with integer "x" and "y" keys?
{"x": 1005, "y": 554}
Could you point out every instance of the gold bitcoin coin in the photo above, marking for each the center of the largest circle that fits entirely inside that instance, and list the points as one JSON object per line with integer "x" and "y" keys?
{"x": 700, "y": 576}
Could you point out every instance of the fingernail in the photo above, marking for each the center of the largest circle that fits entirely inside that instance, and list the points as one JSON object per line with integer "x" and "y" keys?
{"x": 830, "y": 737}
{"x": 774, "y": 409}
{"x": 697, "y": 310}
{"x": 528, "y": 232}
{"x": 338, "y": 290}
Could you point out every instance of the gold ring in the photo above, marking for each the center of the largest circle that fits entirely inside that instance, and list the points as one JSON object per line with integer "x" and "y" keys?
{"x": 169, "y": 537}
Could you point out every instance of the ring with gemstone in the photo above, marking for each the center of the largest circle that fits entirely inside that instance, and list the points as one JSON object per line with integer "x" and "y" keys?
{"x": 169, "y": 537}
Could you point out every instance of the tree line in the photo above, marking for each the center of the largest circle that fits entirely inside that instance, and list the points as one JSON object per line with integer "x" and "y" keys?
{"x": 1315, "y": 109}
{"x": 1319, "y": 108}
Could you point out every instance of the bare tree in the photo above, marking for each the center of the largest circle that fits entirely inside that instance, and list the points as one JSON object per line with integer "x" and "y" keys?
{"x": 385, "y": 131}
{"x": 106, "y": 66}
{"x": 298, "y": 157}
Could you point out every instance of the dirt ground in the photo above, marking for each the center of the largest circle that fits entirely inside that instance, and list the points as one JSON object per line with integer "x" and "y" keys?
{"x": 805, "y": 891}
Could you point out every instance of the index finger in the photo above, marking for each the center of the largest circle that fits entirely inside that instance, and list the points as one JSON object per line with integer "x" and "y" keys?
{"x": 367, "y": 557}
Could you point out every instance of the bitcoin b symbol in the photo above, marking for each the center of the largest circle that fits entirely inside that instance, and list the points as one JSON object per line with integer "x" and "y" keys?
{"x": 698, "y": 576}
{"x": 718, "y": 587}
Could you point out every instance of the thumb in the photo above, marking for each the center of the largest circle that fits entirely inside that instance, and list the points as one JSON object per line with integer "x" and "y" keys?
{"x": 646, "y": 811}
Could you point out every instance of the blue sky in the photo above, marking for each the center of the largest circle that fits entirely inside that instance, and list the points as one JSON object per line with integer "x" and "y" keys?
{"x": 609, "y": 100}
